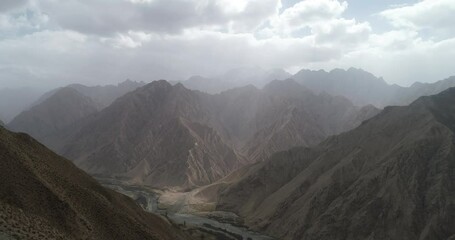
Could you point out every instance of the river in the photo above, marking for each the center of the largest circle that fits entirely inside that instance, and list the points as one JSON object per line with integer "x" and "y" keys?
{"x": 148, "y": 199}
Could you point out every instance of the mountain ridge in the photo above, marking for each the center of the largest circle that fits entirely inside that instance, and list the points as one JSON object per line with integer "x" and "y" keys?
{"x": 135, "y": 135}
{"x": 385, "y": 179}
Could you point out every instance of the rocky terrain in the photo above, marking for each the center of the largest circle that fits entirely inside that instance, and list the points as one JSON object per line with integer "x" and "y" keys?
{"x": 152, "y": 136}
{"x": 169, "y": 136}
{"x": 44, "y": 196}
{"x": 390, "y": 178}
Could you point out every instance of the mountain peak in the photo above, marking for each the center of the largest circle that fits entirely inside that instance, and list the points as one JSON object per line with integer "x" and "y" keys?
{"x": 158, "y": 84}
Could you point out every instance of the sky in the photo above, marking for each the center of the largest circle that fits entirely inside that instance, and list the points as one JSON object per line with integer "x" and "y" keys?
{"x": 57, "y": 42}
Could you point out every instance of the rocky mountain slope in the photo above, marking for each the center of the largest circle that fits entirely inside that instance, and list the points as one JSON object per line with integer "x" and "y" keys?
{"x": 294, "y": 116}
{"x": 169, "y": 136}
{"x": 44, "y": 196}
{"x": 49, "y": 119}
{"x": 390, "y": 178}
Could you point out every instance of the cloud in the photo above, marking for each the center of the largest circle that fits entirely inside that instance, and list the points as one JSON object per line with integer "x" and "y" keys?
{"x": 49, "y": 42}
{"x": 62, "y": 57}
{"x": 6, "y": 5}
{"x": 347, "y": 33}
{"x": 307, "y": 14}
{"x": 22, "y": 22}
{"x": 101, "y": 17}
{"x": 131, "y": 39}
{"x": 435, "y": 16}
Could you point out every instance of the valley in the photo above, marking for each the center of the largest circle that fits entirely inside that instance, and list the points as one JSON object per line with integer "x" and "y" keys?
{"x": 205, "y": 225}
{"x": 227, "y": 120}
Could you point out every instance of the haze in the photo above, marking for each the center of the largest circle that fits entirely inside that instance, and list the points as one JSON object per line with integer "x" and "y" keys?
{"x": 51, "y": 43}
{"x": 227, "y": 119}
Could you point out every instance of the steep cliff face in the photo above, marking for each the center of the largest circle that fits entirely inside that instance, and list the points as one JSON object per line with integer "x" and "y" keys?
{"x": 390, "y": 178}
{"x": 44, "y": 196}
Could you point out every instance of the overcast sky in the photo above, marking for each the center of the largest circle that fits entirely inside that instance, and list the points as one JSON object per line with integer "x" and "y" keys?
{"x": 56, "y": 42}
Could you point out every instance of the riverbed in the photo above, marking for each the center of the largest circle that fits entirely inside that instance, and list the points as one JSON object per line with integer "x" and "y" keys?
{"x": 149, "y": 200}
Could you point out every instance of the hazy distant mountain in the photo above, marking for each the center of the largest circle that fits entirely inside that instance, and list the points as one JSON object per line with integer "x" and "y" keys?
{"x": 103, "y": 96}
{"x": 164, "y": 135}
{"x": 14, "y": 101}
{"x": 49, "y": 118}
{"x": 238, "y": 77}
{"x": 408, "y": 95}
{"x": 287, "y": 115}
{"x": 363, "y": 88}
{"x": 390, "y": 178}
{"x": 44, "y": 196}
{"x": 359, "y": 86}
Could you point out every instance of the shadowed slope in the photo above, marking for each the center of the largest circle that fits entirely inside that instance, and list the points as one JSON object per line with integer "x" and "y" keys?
{"x": 390, "y": 178}
{"x": 44, "y": 196}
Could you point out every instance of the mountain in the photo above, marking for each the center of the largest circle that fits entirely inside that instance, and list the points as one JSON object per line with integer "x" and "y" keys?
{"x": 15, "y": 100}
{"x": 169, "y": 136}
{"x": 408, "y": 95}
{"x": 51, "y": 117}
{"x": 295, "y": 116}
{"x": 44, "y": 196}
{"x": 233, "y": 78}
{"x": 389, "y": 178}
{"x": 103, "y": 96}
{"x": 363, "y": 88}
{"x": 154, "y": 136}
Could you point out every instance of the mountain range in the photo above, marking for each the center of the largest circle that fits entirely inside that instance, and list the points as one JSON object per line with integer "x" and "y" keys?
{"x": 44, "y": 196}
{"x": 360, "y": 87}
{"x": 307, "y": 157}
{"x": 233, "y": 78}
{"x": 390, "y": 178}
{"x": 169, "y": 136}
